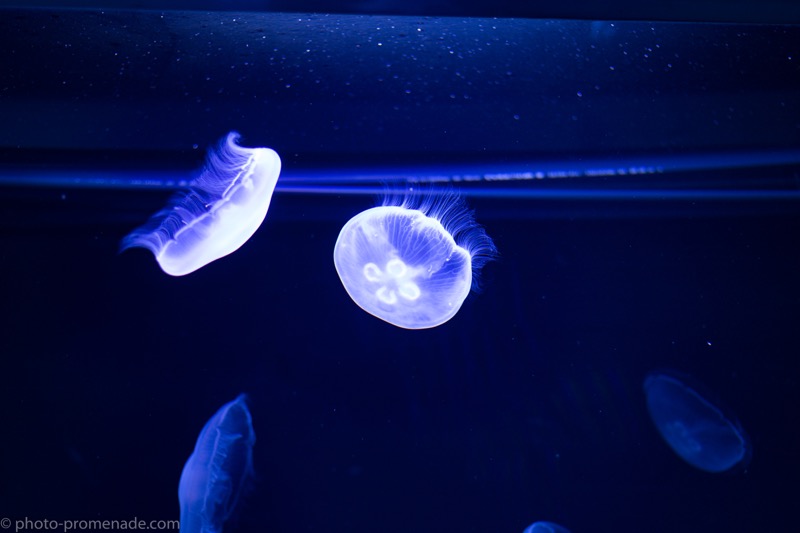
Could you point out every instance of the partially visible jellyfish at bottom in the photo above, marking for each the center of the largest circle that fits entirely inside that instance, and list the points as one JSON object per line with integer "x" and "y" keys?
{"x": 695, "y": 428}
{"x": 545, "y": 527}
{"x": 218, "y": 470}
{"x": 413, "y": 260}
{"x": 221, "y": 209}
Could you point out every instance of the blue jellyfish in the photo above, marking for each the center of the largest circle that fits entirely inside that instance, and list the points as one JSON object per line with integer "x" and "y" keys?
{"x": 413, "y": 260}
{"x": 697, "y": 430}
{"x": 545, "y": 527}
{"x": 217, "y": 471}
{"x": 216, "y": 215}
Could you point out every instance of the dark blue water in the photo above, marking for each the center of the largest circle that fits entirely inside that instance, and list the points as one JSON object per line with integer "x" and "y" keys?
{"x": 639, "y": 181}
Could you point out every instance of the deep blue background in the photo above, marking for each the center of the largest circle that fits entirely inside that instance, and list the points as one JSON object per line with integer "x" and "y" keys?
{"x": 769, "y": 11}
{"x": 528, "y": 405}
{"x": 331, "y": 87}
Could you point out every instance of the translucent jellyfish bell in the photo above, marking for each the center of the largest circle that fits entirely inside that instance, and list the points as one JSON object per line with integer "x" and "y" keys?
{"x": 696, "y": 429}
{"x": 545, "y": 527}
{"x": 412, "y": 261}
{"x": 216, "y": 473}
{"x": 217, "y": 214}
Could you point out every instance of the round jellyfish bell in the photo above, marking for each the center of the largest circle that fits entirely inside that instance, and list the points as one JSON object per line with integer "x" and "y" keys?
{"x": 696, "y": 429}
{"x": 413, "y": 260}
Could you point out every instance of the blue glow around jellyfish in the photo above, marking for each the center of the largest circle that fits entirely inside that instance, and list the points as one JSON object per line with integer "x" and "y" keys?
{"x": 217, "y": 214}
{"x": 218, "y": 469}
{"x": 545, "y": 527}
{"x": 413, "y": 260}
{"x": 696, "y": 429}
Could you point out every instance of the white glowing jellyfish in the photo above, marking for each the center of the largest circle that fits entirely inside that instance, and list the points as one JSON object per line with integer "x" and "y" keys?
{"x": 412, "y": 261}
{"x": 220, "y": 210}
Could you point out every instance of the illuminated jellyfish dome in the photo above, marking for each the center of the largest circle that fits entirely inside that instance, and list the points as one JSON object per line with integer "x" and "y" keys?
{"x": 219, "y": 211}
{"x": 413, "y": 260}
{"x": 698, "y": 431}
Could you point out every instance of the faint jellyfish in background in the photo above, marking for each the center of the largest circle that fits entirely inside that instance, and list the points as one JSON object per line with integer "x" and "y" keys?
{"x": 696, "y": 429}
{"x": 545, "y": 527}
{"x": 218, "y": 469}
{"x": 221, "y": 209}
{"x": 413, "y": 260}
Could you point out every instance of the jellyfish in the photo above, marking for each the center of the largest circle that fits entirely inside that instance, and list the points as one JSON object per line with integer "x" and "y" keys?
{"x": 221, "y": 209}
{"x": 413, "y": 260}
{"x": 696, "y": 429}
{"x": 545, "y": 527}
{"x": 217, "y": 471}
